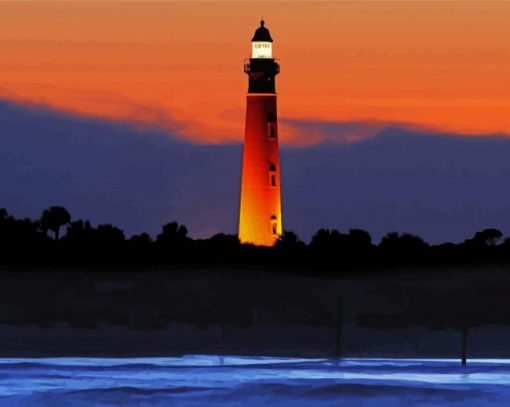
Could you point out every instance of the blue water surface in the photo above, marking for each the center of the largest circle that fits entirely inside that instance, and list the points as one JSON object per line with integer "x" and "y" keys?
{"x": 209, "y": 380}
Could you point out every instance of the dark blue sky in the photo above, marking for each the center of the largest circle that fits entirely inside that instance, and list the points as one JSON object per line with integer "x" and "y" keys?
{"x": 442, "y": 187}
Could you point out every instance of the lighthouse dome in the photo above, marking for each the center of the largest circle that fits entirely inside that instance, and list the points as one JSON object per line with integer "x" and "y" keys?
{"x": 262, "y": 34}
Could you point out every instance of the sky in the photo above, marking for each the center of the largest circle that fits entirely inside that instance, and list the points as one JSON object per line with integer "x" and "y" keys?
{"x": 442, "y": 187}
{"x": 394, "y": 116}
{"x": 439, "y": 66}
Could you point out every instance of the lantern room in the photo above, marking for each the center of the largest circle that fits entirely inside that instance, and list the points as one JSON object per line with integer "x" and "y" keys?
{"x": 262, "y": 43}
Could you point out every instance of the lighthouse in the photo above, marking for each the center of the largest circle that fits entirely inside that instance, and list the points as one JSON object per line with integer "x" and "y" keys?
{"x": 260, "y": 214}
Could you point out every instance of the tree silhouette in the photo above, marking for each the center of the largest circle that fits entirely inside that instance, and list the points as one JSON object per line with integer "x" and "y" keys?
{"x": 109, "y": 235}
{"x": 327, "y": 240}
{"x": 403, "y": 248}
{"x": 79, "y": 232}
{"x": 141, "y": 240}
{"x": 221, "y": 241}
{"x": 482, "y": 245}
{"x": 289, "y": 241}
{"x": 360, "y": 239}
{"x": 54, "y": 218}
{"x": 487, "y": 237}
{"x": 173, "y": 233}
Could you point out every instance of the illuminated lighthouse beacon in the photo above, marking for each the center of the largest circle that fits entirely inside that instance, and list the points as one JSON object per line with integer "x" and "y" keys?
{"x": 260, "y": 217}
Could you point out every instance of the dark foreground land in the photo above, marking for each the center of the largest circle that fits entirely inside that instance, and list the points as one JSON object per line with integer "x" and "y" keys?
{"x": 404, "y": 312}
{"x": 71, "y": 288}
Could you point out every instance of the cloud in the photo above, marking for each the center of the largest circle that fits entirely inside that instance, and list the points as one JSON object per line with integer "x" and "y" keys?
{"x": 440, "y": 186}
{"x": 303, "y": 132}
{"x": 309, "y": 132}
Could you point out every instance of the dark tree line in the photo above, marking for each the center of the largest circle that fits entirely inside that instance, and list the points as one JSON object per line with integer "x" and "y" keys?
{"x": 57, "y": 239}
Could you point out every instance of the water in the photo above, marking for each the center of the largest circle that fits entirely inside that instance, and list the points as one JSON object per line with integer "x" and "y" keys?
{"x": 252, "y": 381}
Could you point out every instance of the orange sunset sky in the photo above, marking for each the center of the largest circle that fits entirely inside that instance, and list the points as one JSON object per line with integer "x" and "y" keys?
{"x": 442, "y": 66}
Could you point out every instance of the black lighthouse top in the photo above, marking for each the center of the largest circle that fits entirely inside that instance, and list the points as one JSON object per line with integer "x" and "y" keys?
{"x": 261, "y": 67}
{"x": 262, "y": 34}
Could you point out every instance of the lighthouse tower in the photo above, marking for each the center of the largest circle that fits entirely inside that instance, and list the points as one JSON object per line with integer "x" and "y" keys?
{"x": 260, "y": 217}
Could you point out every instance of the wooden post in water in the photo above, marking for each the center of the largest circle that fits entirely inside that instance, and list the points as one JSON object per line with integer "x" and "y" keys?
{"x": 338, "y": 328}
{"x": 465, "y": 332}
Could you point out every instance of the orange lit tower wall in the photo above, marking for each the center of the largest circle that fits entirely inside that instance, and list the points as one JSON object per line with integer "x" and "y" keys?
{"x": 260, "y": 217}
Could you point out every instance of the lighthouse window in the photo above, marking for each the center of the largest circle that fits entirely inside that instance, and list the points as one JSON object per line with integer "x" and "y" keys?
{"x": 274, "y": 227}
{"x": 271, "y": 118}
{"x": 271, "y": 130}
{"x": 272, "y": 175}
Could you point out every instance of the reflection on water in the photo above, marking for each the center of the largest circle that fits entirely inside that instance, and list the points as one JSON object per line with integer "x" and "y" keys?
{"x": 214, "y": 380}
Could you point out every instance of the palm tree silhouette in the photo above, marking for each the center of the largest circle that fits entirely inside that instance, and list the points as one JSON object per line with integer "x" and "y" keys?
{"x": 54, "y": 218}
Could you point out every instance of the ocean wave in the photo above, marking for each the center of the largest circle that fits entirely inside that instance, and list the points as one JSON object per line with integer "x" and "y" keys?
{"x": 184, "y": 361}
